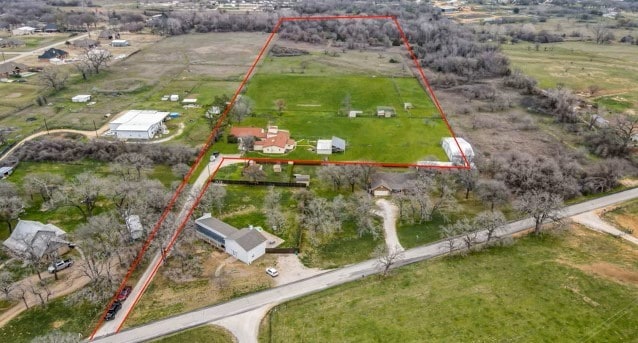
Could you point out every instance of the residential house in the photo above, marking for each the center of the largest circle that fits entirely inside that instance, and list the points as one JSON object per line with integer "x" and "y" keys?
{"x": 53, "y": 53}
{"x": 384, "y": 184}
{"x": 33, "y": 239}
{"x": 24, "y": 30}
{"x": 12, "y": 69}
{"x": 270, "y": 141}
{"x": 247, "y": 244}
{"x": 86, "y": 43}
{"x": 50, "y": 28}
{"x": 385, "y": 111}
{"x": 453, "y": 152}
{"x": 354, "y": 113}
{"x": 109, "y": 34}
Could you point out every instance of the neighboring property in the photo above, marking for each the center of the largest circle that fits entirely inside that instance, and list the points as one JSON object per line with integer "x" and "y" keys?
{"x": 384, "y": 184}
{"x": 81, "y": 98}
{"x": 246, "y": 244}
{"x": 24, "y": 30}
{"x": 109, "y": 34}
{"x": 34, "y": 239}
{"x": 50, "y": 28}
{"x": 385, "y": 111}
{"x": 12, "y": 69}
{"x": 135, "y": 227}
{"x": 86, "y": 43}
{"x": 5, "y": 172}
{"x": 119, "y": 42}
{"x": 53, "y": 53}
{"x": 270, "y": 141}
{"x": 452, "y": 149}
{"x": 138, "y": 124}
{"x": 330, "y": 146}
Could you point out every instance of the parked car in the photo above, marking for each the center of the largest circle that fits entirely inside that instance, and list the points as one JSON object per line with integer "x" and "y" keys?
{"x": 59, "y": 265}
{"x": 126, "y": 291}
{"x": 110, "y": 314}
{"x": 272, "y": 272}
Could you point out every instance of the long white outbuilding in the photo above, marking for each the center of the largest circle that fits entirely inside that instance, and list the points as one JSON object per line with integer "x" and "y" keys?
{"x": 138, "y": 124}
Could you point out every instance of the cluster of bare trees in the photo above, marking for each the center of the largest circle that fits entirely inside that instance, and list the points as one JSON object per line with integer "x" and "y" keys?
{"x": 468, "y": 231}
{"x": 67, "y": 150}
{"x": 352, "y": 176}
{"x": 428, "y": 196}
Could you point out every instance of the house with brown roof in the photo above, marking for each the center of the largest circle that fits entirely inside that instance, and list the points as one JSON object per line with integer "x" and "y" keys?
{"x": 384, "y": 184}
{"x": 12, "y": 69}
{"x": 269, "y": 141}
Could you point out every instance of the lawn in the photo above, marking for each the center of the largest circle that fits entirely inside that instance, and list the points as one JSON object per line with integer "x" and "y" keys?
{"x": 570, "y": 287}
{"x": 625, "y": 217}
{"x": 200, "y": 334}
{"x": 39, "y": 320}
{"x": 579, "y": 65}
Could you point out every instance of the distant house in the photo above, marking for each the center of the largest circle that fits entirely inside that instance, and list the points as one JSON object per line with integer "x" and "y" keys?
{"x": 270, "y": 141}
{"x": 50, "y": 28}
{"x": 24, "y": 30}
{"x": 452, "y": 151}
{"x": 247, "y": 244}
{"x": 330, "y": 146}
{"x": 135, "y": 227}
{"x": 385, "y": 111}
{"x": 34, "y": 239}
{"x": 5, "y": 172}
{"x": 119, "y": 42}
{"x": 354, "y": 113}
{"x": 12, "y": 69}
{"x": 85, "y": 43}
{"x": 384, "y": 184}
{"x": 53, "y": 53}
{"x": 109, "y": 34}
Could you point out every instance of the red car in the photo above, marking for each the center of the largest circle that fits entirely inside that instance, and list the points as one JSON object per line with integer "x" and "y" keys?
{"x": 126, "y": 291}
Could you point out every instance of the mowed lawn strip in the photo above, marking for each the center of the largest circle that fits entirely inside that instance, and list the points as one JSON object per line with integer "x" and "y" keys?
{"x": 200, "y": 334}
{"x": 566, "y": 287}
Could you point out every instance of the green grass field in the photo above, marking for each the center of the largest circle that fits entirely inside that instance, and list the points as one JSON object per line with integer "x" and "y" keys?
{"x": 314, "y": 110}
{"x": 201, "y": 334}
{"x": 579, "y": 65}
{"x": 571, "y": 287}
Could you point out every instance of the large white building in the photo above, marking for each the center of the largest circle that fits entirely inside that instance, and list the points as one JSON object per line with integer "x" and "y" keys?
{"x": 138, "y": 124}
{"x": 452, "y": 150}
{"x": 247, "y": 244}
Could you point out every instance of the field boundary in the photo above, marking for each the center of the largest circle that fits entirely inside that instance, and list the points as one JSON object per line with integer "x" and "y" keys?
{"x": 211, "y": 138}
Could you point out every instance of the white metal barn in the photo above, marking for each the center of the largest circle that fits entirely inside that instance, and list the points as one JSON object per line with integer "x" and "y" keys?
{"x": 138, "y": 124}
{"x": 24, "y": 30}
{"x": 324, "y": 147}
{"x": 452, "y": 149}
{"x": 246, "y": 245}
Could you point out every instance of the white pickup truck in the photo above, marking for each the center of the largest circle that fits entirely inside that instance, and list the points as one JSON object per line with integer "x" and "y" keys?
{"x": 59, "y": 265}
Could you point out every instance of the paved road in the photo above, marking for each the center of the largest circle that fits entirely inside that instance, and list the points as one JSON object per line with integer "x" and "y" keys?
{"x": 594, "y": 222}
{"x": 112, "y": 326}
{"x": 328, "y": 279}
{"x": 30, "y": 53}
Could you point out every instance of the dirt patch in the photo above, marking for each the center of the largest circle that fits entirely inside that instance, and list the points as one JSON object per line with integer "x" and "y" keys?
{"x": 612, "y": 272}
{"x": 629, "y": 182}
{"x": 58, "y": 324}
{"x": 627, "y": 222}
{"x": 13, "y": 95}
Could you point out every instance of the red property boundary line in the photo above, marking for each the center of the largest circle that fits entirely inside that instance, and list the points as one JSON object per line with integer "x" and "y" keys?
{"x": 215, "y": 130}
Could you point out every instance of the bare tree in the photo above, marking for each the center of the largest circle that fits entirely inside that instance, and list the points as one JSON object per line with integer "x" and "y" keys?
{"x": 541, "y": 205}
{"x": 386, "y": 258}
{"x": 134, "y": 160}
{"x": 96, "y": 59}
{"x": 21, "y": 292}
{"x": 352, "y": 175}
{"x": 494, "y": 192}
{"x": 82, "y": 192}
{"x": 214, "y": 198}
{"x": 52, "y": 77}
{"x": 489, "y": 221}
{"x": 254, "y": 173}
{"x": 280, "y": 105}
{"x": 42, "y": 183}
{"x": 468, "y": 178}
{"x": 11, "y": 204}
{"x": 180, "y": 170}
{"x": 275, "y": 217}
{"x": 241, "y": 109}
{"x": 6, "y": 284}
{"x": 331, "y": 174}
{"x": 361, "y": 206}
{"x": 602, "y": 33}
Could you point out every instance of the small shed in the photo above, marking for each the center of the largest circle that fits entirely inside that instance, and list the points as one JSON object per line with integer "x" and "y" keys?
{"x": 452, "y": 151}
{"x": 81, "y": 98}
{"x": 174, "y": 97}
{"x": 338, "y": 144}
{"x": 354, "y": 113}
{"x": 5, "y": 172}
{"x": 407, "y": 106}
{"x": 135, "y": 227}
{"x": 276, "y": 168}
{"x": 324, "y": 147}
{"x": 189, "y": 101}
{"x": 385, "y": 111}
{"x": 119, "y": 43}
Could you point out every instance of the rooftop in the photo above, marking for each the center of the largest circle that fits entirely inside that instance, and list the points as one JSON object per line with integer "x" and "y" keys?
{"x": 138, "y": 120}
{"x": 219, "y": 226}
{"x": 248, "y": 238}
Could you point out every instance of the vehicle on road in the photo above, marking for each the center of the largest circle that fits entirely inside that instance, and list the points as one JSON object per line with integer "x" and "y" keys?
{"x": 59, "y": 265}
{"x": 272, "y": 272}
{"x": 126, "y": 291}
{"x": 110, "y": 314}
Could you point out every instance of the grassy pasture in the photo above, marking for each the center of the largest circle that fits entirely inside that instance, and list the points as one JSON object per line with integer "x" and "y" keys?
{"x": 200, "y": 334}
{"x": 569, "y": 287}
{"x": 313, "y": 103}
{"x": 579, "y": 65}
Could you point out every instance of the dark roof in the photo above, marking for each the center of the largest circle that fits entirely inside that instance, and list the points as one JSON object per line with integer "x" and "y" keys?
{"x": 393, "y": 181}
{"x": 217, "y": 225}
{"x": 248, "y": 238}
{"x": 50, "y": 27}
{"x": 338, "y": 143}
{"x": 53, "y": 53}
{"x": 9, "y": 67}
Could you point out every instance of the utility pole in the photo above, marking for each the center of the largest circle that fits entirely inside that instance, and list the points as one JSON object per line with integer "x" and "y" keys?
{"x": 95, "y": 128}
{"x": 46, "y": 126}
